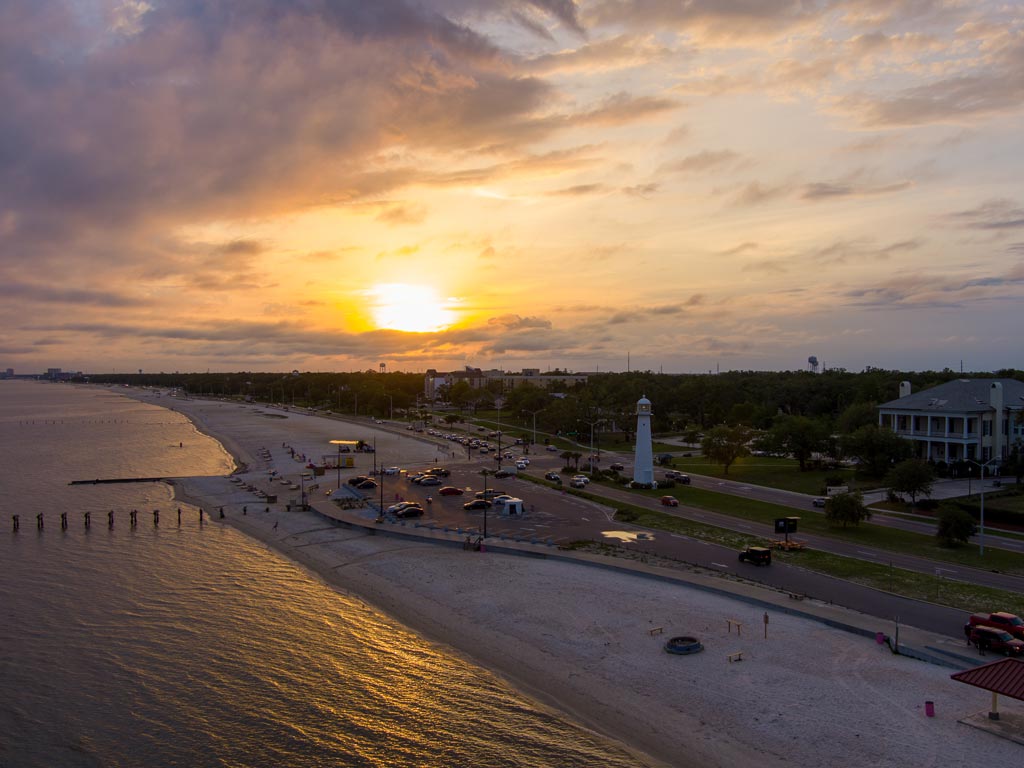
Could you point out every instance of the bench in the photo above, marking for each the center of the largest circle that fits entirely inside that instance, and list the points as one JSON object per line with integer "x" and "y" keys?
{"x": 736, "y": 656}
{"x": 795, "y": 596}
{"x": 655, "y": 631}
{"x": 730, "y": 623}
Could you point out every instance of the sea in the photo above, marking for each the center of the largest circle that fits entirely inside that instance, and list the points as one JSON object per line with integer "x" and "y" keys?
{"x": 189, "y": 644}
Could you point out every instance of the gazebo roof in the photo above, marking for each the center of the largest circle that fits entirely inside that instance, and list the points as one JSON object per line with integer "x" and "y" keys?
{"x": 1005, "y": 677}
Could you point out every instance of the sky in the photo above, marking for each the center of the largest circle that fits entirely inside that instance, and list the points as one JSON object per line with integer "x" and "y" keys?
{"x": 591, "y": 185}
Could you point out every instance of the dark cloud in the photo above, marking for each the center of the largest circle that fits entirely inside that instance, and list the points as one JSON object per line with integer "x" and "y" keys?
{"x": 50, "y": 294}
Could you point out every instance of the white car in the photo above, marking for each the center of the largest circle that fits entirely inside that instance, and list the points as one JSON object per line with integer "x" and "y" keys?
{"x": 392, "y": 471}
{"x": 520, "y": 465}
{"x": 580, "y": 479}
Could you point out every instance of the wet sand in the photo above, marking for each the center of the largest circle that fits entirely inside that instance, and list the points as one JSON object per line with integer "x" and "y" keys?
{"x": 578, "y": 639}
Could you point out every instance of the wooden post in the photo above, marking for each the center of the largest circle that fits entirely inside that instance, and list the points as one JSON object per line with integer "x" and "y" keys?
{"x": 994, "y": 714}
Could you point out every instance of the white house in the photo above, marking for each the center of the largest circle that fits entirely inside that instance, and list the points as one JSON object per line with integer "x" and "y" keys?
{"x": 963, "y": 419}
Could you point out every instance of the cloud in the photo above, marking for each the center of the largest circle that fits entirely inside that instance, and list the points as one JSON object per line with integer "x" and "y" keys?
{"x": 516, "y": 322}
{"x": 995, "y": 214}
{"x": 602, "y": 55}
{"x": 705, "y": 160}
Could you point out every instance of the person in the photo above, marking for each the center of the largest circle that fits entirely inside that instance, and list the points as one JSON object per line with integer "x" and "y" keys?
{"x": 430, "y": 499}
{"x": 275, "y": 525}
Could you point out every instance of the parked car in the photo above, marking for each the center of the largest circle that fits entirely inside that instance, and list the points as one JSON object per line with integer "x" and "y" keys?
{"x": 392, "y": 471}
{"x": 756, "y": 556}
{"x": 670, "y": 501}
{"x": 1000, "y": 620}
{"x": 439, "y": 471}
{"x": 819, "y": 502}
{"x": 469, "y": 506}
{"x": 490, "y": 493}
{"x": 618, "y": 467}
{"x": 412, "y": 510}
{"x": 367, "y": 485}
{"x": 357, "y": 480}
{"x": 992, "y": 639}
{"x": 430, "y": 480}
{"x": 551, "y": 448}
{"x": 450, "y": 490}
{"x": 554, "y": 476}
{"x": 501, "y": 474}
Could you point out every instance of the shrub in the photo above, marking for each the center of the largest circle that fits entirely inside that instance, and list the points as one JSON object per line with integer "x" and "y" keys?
{"x": 927, "y": 504}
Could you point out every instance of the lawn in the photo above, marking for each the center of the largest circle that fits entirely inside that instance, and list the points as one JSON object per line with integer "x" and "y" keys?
{"x": 771, "y": 472}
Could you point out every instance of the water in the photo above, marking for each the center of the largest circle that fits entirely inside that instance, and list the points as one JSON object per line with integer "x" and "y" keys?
{"x": 196, "y": 646}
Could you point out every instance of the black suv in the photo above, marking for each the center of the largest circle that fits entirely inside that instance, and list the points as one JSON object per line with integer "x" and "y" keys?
{"x": 756, "y": 556}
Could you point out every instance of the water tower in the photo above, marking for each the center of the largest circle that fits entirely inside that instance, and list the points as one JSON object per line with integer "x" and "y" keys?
{"x": 812, "y": 364}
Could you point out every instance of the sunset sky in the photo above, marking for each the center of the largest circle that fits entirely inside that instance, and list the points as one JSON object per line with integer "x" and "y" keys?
{"x": 331, "y": 184}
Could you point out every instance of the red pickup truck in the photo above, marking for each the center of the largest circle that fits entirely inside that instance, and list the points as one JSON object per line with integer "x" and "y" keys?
{"x": 1004, "y": 621}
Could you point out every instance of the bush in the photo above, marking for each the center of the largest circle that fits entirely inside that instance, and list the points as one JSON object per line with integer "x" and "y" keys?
{"x": 955, "y": 527}
{"x": 667, "y": 483}
{"x": 927, "y": 504}
{"x": 626, "y": 516}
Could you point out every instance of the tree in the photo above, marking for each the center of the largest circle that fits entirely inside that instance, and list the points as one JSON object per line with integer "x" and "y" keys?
{"x": 799, "y": 436}
{"x": 856, "y": 416}
{"x": 955, "y": 527}
{"x": 911, "y": 477}
{"x": 723, "y": 445}
{"x": 876, "y": 448}
{"x": 846, "y": 509}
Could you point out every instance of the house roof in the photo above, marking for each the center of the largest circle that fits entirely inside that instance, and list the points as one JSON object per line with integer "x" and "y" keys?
{"x": 1005, "y": 677}
{"x": 960, "y": 396}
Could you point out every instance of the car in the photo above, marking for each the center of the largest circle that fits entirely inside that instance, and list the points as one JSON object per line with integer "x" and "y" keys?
{"x": 485, "y": 450}
{"x": 683, "y": 479}
{"x": 357, "y": 480}
{"x": 577, "y": 483}
{"x": 490, "y": 493}
{"x": 617, "y": 466}
{"x": 450, "y": 490}
{"x": 553, "y": 476}
{"x": 524, "y": 460}
{"x": 501, "y": 474}
{"x": 581, "y": 478}
{"x": 520, "y": 465}
{"x": 439, "y": 471}
{"x": 992, "y": 639}
{"x": 392, "y": 471}
{"x": 430, "y": 480}
{"x": 756, "y": 556}
{"x": 499, "y": 501}
{"x": 819, "y": 502}
{"x": 1000, "y": 620}
{"x": 367, "y": 485}
{"x": 551, "y": 448}
{"x": 415, "y": 477}
{"x": 394, "y": 508}
{"x": 670, "y": 501}
{"x": 469, "y": 506}
{"x": 413, "y": 510}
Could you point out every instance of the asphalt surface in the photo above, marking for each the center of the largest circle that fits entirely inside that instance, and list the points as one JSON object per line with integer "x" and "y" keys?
{"x": 559, "y": 517}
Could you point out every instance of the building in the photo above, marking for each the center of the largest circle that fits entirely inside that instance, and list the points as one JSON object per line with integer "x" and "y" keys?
{"x": 480, "y": 379}
{"x": 643, "y": 457}
{"x": 961, "y": 420}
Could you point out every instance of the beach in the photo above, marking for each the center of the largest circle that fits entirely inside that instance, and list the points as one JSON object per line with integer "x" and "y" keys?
{"x": 585, "y": 640}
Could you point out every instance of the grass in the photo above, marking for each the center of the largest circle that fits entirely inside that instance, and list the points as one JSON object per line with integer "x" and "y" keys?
{"x": 771, "y": 472}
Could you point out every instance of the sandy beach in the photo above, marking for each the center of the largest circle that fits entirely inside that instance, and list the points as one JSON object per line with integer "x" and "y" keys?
{"x": 577, "y": 638}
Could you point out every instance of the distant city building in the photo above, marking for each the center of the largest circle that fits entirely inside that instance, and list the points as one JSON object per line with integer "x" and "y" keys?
{"x": 965, "y": 419}
{"x": 9, "y": 373}
{"x": 643, "y": 457}
{"x": 476, "y": 378}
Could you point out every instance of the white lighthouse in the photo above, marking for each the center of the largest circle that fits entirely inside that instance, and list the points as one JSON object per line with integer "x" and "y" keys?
{"x": 643, "y": 457}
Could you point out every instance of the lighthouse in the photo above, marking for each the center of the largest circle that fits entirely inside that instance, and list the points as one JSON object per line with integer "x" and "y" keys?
{"x": 643, "y": 457}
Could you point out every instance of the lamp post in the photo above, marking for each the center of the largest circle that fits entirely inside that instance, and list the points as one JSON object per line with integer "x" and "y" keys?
{"x": 981, "y": 481}
{"x": 484, "y": 473}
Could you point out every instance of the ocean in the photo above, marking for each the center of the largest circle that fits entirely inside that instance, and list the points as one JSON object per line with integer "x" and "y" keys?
{"x": 192, "y": 645}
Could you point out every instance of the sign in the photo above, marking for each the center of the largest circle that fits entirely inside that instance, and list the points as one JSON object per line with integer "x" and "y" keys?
{"x": 786, "y": 524}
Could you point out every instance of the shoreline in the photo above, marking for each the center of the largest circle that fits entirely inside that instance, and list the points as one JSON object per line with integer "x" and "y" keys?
{"x": 575, "y": 641}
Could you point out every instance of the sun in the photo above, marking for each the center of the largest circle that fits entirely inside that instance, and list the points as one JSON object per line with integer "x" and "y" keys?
{"x": 413, "y": 308}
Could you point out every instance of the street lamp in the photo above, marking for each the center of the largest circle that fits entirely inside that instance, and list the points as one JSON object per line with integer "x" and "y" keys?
{"x": 981, "y": 526}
